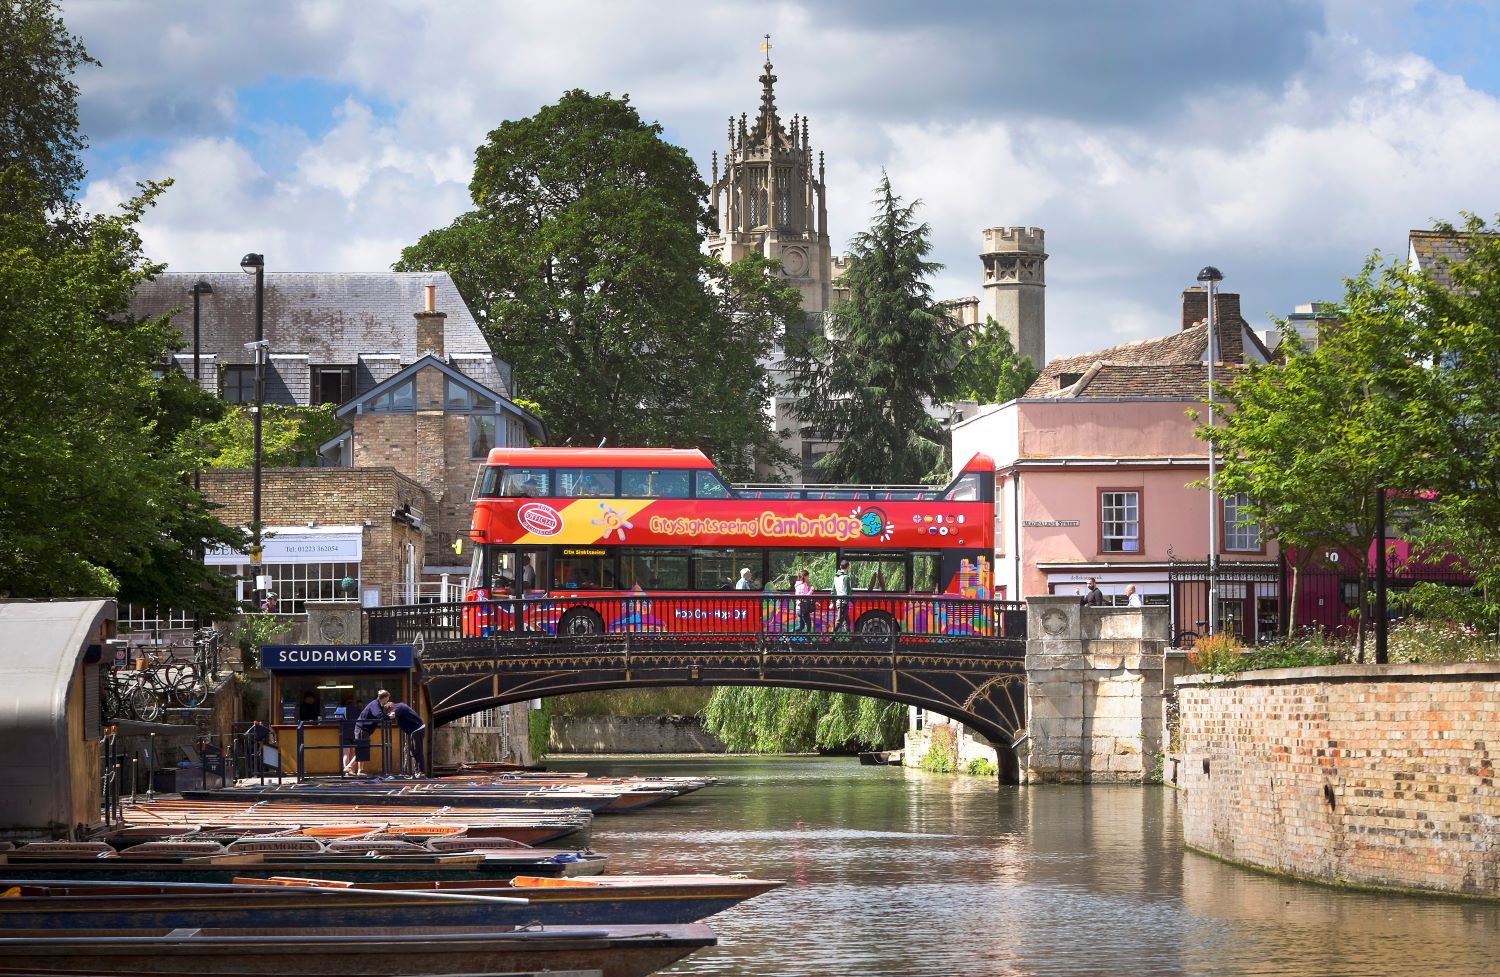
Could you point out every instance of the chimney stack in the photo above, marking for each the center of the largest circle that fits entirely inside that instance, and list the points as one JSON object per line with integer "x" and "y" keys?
{"x": 430, "y": 325}
{"x": 1195, "y": 307}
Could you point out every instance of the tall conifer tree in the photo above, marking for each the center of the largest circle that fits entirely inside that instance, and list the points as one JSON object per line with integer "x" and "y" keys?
{"x": 888, "y": 352}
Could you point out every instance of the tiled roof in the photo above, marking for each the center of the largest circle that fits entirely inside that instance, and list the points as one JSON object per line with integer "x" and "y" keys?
{"x": 333, "y": 318}
{"x": 1168, "y": 366}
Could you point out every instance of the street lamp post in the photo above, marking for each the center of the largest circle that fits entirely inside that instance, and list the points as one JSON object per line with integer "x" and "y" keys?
{"x": 256, "y": 264}
{"x": 1211, "y": 276}
{"x": 200, "y": 288}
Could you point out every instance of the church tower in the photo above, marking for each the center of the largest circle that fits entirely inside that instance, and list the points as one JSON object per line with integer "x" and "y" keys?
{"x": 1015, "y": 287}
{"x": 769, "y": 202}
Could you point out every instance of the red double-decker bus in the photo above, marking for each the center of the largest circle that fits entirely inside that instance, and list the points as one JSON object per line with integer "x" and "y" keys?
{"x": 559, "y": 534}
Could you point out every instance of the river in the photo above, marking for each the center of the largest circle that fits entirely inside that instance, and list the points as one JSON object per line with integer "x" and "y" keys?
{"x": 895, "y": 871}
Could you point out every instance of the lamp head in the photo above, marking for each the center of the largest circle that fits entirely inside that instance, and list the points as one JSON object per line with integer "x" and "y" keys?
{"x": 1210, "y": 274}
{"x": 259, "y": 344}
{"x": 202, "y": 287}
{"x": 252, "y": 262}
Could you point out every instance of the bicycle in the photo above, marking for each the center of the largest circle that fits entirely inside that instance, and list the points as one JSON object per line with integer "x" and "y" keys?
{"x": 1187, "y": 639}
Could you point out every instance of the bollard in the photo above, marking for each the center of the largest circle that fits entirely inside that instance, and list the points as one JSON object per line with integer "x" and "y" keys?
{"x": 135, "y": 776}
{"x": 150, "y": 765}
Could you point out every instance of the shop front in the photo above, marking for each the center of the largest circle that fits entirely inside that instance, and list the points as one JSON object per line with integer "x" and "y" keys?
{"x": 315, "y": 687}
{"x": 297, "y": 565}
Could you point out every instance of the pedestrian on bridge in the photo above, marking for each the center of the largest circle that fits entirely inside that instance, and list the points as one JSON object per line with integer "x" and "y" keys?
{"x": 841, "y": 597}
{"x": 803, "y": 590}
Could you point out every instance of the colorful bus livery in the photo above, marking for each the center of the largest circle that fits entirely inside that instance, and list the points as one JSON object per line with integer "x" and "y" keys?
{"x": 560, "y": 533}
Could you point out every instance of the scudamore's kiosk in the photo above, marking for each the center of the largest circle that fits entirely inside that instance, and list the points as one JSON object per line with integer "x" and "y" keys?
{"x": 315, "y": 684}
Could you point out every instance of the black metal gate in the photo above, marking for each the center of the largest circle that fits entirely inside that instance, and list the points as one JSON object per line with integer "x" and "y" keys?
{"x": 1251, "y": 599}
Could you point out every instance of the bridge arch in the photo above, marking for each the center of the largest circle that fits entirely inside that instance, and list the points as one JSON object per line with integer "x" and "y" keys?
{"x": 986, "y": 693}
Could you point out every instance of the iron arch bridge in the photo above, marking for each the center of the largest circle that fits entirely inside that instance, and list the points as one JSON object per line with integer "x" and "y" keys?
{"x": 958, "y": 657}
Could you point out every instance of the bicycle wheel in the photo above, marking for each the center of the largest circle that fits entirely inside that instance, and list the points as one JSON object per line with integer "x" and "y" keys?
{"x": 144, "y": 704}
{"x": 189, "y": 691}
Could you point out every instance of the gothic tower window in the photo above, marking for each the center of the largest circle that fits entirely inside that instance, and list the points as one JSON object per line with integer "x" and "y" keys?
{"x": 758, "y": 198}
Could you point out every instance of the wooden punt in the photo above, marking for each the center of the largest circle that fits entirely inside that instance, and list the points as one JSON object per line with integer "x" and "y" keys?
{"x": 617, "y": 951}
{"x": 327, "y": 793}
{"x": 531, "y": 827}
{"x": 434, "y": 866}
{"x": 284, "y": 902}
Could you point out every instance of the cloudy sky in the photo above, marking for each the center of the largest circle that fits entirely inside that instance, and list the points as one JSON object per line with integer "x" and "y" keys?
{"x": 1280, "y": 141}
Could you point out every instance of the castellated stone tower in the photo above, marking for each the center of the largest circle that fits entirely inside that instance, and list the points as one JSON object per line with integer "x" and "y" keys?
{"x": 769, "y": 200}
{"x": 1015, "y": 260}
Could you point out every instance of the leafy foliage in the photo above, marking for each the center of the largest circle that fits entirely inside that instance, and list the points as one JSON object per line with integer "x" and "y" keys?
{"x": 539, "y": 730}
{"x": 1448, "y": 386}
{"x": 1437, "y": 602}
{"x": 97, "y": 503}
{"x": 290, "y": 436}
{"x": 1310, "y": 439}
{"x": 991, "y": 372}
{"x": 981, "y": 767}
{"x": 39, "y": 126}
{"x": 889, "y": 351}
{"x": 782, "y": 720}
{"x": 942, "y": 749}
{"x": 1217, "y": 653}
{"x": 582, "y": 261}
{"x": 250, "y": 632}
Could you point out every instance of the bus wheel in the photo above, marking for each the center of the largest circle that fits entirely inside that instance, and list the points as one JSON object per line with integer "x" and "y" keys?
{"x": 876, "y": 622}
{"x": 581, "y": 621}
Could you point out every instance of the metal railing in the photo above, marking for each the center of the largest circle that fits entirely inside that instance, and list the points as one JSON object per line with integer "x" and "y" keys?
{"x": 721, "y": 618}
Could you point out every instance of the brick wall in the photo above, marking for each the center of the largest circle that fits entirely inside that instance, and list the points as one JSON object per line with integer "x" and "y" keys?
{"x": 1364, "y": 774}
{"x": 330, "y": 496}
{"x": 432, "y": 447}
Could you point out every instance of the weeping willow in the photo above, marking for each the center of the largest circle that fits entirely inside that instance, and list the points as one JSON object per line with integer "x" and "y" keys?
{"x": 779, "y": 720}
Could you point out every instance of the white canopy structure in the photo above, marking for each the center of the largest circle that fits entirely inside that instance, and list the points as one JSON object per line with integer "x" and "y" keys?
{"x": 50, "y": 658}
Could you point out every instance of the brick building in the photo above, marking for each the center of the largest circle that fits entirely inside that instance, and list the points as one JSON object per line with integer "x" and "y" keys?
{"x": 422, "y": 394}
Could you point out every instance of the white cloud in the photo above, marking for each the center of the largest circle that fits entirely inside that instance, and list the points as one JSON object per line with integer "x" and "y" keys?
{"x": 1285, "y": 181}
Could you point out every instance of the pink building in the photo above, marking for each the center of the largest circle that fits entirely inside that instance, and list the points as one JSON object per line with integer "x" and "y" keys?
{"x": 1093, "y": 473}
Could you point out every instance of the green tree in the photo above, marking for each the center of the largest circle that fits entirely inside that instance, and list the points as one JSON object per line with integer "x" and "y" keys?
{"x": 991, "y": 372}
{"x": 889, "y": 351}
{"x": 1449, "y": 385}
{"x": 1312, "y": 438}
{"x": 39, "y": 124}
{"x": 96, "y": 503}
{"x": 582, "y": 261}
{"x": 290, "y": 436}
{"x": 787, "y": 720}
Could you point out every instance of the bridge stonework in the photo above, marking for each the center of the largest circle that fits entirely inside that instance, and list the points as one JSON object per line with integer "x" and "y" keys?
{"x": 1095, "y": 681}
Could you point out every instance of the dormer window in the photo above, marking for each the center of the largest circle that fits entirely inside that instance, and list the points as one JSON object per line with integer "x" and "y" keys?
{"x": 1066, "y": 380}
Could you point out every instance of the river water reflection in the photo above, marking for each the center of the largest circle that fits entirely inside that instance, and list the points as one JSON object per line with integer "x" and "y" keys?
{"x": 894, "y": 871}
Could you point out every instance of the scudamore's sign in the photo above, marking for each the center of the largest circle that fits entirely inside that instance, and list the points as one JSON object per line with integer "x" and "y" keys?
{"x": 335, "y": 658}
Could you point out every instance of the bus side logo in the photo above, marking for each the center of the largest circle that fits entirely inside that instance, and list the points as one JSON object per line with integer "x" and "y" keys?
{"x": 540, "y": 519}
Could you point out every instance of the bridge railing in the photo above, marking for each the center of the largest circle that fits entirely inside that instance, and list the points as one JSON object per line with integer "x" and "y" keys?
{"x": 730, "y": 617}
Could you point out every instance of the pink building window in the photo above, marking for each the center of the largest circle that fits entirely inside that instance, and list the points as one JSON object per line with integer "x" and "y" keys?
{"x": 1119, "y": 520}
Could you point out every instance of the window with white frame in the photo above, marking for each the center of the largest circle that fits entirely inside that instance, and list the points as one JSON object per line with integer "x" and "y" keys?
{"x": 1240, "y": 533}
{"x": 1120, "y": 521}
{"x": 294, "y": 584}
{"x": 135, "y": 617}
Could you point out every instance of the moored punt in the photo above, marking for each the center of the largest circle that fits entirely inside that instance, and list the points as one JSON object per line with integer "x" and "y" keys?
{"x": 402, "y": 869}
{"x": 617, "y": 951}
{"x": 531, "y": 827}
{"x": 300, "y": 902}
{"x": 384, "y": 793}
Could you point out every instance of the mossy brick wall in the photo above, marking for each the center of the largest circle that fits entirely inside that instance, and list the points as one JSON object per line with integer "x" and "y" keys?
{"x": 1360, "y": 774}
